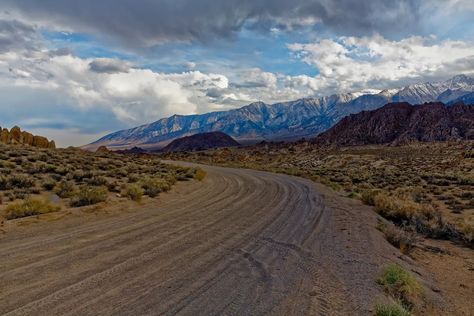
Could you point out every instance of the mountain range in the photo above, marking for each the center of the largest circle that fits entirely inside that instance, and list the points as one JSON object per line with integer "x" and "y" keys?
{"x": 401, "y": 123}
{"x": 303, "y": 118}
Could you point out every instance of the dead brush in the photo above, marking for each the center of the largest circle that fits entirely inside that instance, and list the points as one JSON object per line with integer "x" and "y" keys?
{"x": 400, "y": 237}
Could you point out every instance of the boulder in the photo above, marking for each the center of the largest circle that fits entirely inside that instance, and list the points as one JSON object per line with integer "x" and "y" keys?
{"x": 27, "y": 138}
{"x": 15, "y": 134}
{"x": 102, "y": 149}
{"x": 52, "y": 145}
{"x": 4, "y": 136}
{"x": 40, "y": 142}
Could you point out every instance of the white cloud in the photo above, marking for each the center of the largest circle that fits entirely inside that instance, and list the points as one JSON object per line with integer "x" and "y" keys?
{"x": 354, "y": 63}
{"x": 134, "y": 95}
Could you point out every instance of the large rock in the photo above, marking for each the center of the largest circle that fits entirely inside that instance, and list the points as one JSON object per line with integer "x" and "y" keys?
{"x": 102, "y": 149}
{"x": 27, "y": 138}
{"x": 40, "y": 142}
{"x": 4, "y": 136}
{"x": 15, "y": 135}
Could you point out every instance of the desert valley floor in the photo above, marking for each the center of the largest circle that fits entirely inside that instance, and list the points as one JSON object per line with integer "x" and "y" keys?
{"x": 240, "y": 242}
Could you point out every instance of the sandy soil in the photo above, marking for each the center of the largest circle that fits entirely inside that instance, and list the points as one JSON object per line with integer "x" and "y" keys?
{"x": 241, "y": 242}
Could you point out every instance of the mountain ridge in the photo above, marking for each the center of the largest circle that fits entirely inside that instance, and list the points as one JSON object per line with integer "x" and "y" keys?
{"x": 401, "y": 123}
{"x": 292, "y": 120}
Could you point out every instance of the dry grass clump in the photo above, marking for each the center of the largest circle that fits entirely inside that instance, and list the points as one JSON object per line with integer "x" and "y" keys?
{"x": 29, "y": 207}
{"x": 467, "y": 230}
{"x": 200, "y": 174}
{"x": 400, "y": 284}
{"x": 391, "y": 309}
{"x": 401, "y": 238}
{"x": 133, "y": 191}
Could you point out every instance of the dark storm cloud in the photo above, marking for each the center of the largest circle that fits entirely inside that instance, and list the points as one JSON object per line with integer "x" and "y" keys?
{"x": 108, "y": 65}
{"x": 16, "y": 35}
{"x": 148, "y": 22}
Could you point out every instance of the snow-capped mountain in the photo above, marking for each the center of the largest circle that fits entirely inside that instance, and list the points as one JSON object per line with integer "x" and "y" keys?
{"x": 283, "y": 121}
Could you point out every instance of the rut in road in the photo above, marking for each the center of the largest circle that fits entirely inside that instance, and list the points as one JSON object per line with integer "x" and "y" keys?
{"x": 240, "y": 243}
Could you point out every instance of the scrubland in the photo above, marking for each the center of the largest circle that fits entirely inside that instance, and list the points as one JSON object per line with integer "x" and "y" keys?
{"x": 35, "y": 181}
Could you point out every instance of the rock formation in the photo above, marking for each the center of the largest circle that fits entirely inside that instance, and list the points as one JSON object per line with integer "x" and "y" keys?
{"x": 18, "y": 137}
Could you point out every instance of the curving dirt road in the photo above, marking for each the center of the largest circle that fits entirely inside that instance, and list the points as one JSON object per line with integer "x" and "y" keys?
{"x": 240, "y": 243}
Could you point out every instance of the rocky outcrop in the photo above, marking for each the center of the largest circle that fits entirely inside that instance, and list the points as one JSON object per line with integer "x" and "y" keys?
{"x": 18, "y": 137}
{"x": 102, "y": 149}
{"x": 201, "y": 141}
{"x": 27, "y": 138}
{"x": 399, "y": 123}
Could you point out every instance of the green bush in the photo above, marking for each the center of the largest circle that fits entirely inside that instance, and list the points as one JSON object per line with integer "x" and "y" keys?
{"x": 89, "y": 195}
{"x": 401, "y": 284}
{"x": 392, "y": 309}
{"x": 29, "y": 207}
{"x": 133, "y": 192}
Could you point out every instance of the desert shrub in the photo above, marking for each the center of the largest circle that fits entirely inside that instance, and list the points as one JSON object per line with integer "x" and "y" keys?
{"x": 392, "y": 309}
{"x": 65, "y": 189}
{"x": 29, "y": 207}
{"x": 435, "y": 227}
{"x": 399, "y": 237}
{"x": 89, "y": 195}
{"x": 171, "y": 179}
{"x": 467, "y": 231}
{"x": 153, "y": 186}
{"x": 113, "y": 186}
{"x": 61, "y": 170}
{"x": 4, "y": 183}
{"x": 401, "y": 209}
{"x": 98, "y": 181}
{"x": 200, "y": 174}
{"x": 80, "y": 175}
{"x": 132, "y": 178}
{"x": 133, "y": 192}
{"x": 18, "y": 194}
{"x": 368, "y": 196}
{"x": 21, "y": 181}
{"x": 48, "y": 184}
{"x": 400, "y": 284}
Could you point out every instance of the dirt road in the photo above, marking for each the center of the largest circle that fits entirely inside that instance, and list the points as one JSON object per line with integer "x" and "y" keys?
{"x": 239, "y": 243}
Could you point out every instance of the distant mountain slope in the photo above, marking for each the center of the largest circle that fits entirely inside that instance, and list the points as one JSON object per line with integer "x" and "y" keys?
{"x": 201, "y": 141}
{"x": 281, "y": 121}
{"x": 15, "y": 136}
{"x": 397, "y": 123}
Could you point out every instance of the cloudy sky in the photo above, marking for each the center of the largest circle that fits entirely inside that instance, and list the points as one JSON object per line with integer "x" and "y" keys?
{"x": 76, "y": 70}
